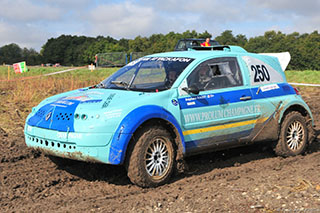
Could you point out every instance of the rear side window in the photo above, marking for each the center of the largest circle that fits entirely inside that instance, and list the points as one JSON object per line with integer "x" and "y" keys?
{"x": 216, "y": 73}
{"x": 261, "y": 72}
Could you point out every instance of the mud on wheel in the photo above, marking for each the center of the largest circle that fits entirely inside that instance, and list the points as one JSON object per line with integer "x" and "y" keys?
{"x": 293, "y": 139}
{"x": 151, "y": 160}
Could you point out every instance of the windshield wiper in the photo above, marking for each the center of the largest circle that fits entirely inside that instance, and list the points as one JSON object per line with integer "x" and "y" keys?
{"x": 121, "y": 83}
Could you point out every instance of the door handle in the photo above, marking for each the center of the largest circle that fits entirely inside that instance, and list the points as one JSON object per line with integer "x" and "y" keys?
{"x": 245, "y": 98}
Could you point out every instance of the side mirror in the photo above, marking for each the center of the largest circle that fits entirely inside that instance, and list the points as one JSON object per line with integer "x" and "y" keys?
{"x": 192, "y": 89}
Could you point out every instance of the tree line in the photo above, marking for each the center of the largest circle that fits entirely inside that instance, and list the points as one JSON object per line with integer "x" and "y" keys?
{"x": 81, "y": 50}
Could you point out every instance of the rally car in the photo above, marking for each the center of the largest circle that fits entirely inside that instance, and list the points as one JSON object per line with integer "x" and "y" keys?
{"x": 160, "y": 108}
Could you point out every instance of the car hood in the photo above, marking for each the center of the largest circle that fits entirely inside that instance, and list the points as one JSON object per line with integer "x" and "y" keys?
{"x": 59, "y": 112}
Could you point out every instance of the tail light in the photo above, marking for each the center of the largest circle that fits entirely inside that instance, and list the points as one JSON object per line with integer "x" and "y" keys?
{"x": 297, "y": 91}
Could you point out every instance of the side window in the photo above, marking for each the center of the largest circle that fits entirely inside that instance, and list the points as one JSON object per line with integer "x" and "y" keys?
{"x": 216, "y": 73}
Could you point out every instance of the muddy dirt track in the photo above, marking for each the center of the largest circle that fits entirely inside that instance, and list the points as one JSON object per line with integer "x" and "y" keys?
{"x": 248, "y": 179}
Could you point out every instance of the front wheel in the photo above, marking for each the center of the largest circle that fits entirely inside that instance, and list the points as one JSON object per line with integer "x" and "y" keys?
{"x": 151, "y": 160}
{"x": 293, "y": 138}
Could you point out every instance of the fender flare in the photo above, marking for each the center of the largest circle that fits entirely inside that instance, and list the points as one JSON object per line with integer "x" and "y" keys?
{"x": 293, "y": 104}
{"x": 130, "y": 124}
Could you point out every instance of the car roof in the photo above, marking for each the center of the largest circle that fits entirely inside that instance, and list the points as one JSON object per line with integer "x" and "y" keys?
{"x": 194, "y": 39}
{"x": 204, "y": 52}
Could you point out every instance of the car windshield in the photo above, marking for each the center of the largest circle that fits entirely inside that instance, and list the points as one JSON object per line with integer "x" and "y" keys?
{"x": 149, "y": 74}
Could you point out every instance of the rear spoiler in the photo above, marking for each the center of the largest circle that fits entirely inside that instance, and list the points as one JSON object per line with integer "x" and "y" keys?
{"x": 284, "y": 58}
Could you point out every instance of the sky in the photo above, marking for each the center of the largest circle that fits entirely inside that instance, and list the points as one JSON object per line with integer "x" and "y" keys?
{"x": 30, "y": 23}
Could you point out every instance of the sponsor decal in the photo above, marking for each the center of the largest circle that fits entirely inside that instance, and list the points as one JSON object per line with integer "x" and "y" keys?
{"x": 91, "y": 101}
{"x": 269, "y": 87}
{"x": 200, "y": 97}
{"x": 70, "y": 101}
{"x": 94, "y": 93}
{"x": 57, "y": 105}
{"x": 78, "y": 98}
{"x": 191, "y": 103}
{"x": 62, "y": 135}
{"x": 70, "y": 135}
{"x": 195, "y": 101}
{"x": 173, "y": 59}
{"x": 63, "y": 102}
{"x": 222, "y": 113}
{"x": 109, "y": 99}
{"x": 174, "y": 102}
{"x": 113, "y": 113}
{"x": 75, "y": 136}
{"x": 82, "y": 99}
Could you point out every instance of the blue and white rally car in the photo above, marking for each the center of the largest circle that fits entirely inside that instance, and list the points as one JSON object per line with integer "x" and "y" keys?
{"x": 158, "y": 109}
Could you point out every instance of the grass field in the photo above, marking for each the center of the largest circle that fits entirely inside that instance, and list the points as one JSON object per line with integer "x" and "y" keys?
{"x": 306, "y": 76}
{"x": 17, "y": 97}
{"x": 84, "y": 74}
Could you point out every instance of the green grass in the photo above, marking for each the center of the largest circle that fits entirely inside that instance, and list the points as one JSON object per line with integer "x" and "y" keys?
{"x": 306, "y": 76}
{"x": 32, "y": 71}
{"x": 83, "y": 74}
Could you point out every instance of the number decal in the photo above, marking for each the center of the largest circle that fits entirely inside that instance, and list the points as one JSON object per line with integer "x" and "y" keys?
{"x": 266, "y": 73}
{"x": 253, "y": 68}
{"x": 261, "y": 73}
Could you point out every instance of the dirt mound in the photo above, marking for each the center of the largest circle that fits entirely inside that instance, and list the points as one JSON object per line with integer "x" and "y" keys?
{"x": 239, "y": 180}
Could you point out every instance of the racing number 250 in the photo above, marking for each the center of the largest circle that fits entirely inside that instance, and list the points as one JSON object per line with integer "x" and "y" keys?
{"x": 260, "y": 73}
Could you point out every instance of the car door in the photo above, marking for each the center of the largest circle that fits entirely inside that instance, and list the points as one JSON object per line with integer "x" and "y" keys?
{"x": 223, "y": 111}
{"x": 269, "y": 89}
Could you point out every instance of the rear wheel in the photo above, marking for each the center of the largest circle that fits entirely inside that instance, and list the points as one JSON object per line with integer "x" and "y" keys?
{"x": 150, "y": 161}
{"x": 293, "y": 135}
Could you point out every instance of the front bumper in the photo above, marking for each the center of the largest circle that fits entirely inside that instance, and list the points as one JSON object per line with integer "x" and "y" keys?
{"x": 89, "y": 147}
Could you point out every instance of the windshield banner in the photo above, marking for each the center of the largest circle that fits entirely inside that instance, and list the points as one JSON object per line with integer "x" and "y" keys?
{"x": 173, "y": 59}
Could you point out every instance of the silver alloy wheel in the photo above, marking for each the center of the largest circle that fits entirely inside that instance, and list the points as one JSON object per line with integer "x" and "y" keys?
{"x": 157, "y": 158}
{"x": 295, "y": 135}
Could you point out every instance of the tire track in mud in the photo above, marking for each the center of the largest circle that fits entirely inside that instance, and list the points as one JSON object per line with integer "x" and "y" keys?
{"x": 30, "y": 178}
{"x": 62, "y": 187}
{"x": 32, "y": 154}
{"x": 14, "y": 149}
{"x": 193, "y": 183}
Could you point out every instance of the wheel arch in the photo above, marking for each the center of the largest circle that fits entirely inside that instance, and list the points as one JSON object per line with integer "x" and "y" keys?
{"x": 135, "y": 121}
{"x": 305, "y": 112}
{"x": 296, "y": 107}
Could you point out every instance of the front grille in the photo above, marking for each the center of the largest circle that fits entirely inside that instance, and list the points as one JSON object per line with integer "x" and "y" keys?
{"x": 52, "y": 144}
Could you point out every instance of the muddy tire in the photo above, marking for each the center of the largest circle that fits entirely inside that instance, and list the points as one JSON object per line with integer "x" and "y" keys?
{"x": 150, "y": 160}
{"x": 293, "y": 138}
